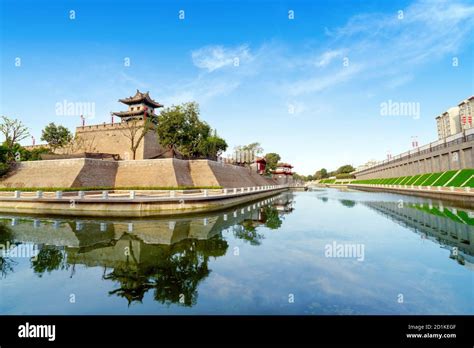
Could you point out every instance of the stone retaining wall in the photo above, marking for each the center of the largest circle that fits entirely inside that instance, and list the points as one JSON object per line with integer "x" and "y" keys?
{"x": 168, "y": 172}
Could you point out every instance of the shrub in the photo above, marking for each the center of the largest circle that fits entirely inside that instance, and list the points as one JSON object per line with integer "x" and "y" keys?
{"x": 345, "y": 176}
{"x": 4, "y": 168}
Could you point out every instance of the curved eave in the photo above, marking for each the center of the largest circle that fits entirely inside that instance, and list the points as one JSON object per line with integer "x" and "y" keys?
{"x": 132, "y": 114}
{"x": 145, "y": 101}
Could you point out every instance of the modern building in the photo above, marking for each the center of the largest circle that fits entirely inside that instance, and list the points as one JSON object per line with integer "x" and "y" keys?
{"x": 452, "y": 151}
{"x": 367, "y": 165}
{"x": 448, "y": 123}
{"x": 466, "y": 107}
{"x": 455, "y": 119}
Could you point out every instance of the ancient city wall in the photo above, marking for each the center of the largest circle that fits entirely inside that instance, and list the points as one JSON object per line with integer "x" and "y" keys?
{"x": 54, "y": 173}
{"x": 158, "y": 172}
{"x": 167, "y": 172}
{"x": 113, "y": 138}
{"x": 225, "y": 175}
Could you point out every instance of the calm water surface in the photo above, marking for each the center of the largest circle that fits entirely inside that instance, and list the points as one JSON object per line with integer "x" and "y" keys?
{"x": 318, "y": 252}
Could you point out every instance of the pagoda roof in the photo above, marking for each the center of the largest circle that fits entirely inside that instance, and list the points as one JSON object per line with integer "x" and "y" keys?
{"x": 140, "y": 97}
{"x": 132, "y": 113}
{"x": 287, "y": 165}
{"x": 281, "y": 172}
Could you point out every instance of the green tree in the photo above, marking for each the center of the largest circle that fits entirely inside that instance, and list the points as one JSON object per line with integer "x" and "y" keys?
{"x": 135, "y": 132}
{"x": 345, "y": 169}
{"x": 321, "y": 174}
{"x": 272, "y": 159}
{"x": 13, "y": 131}
{"x": 256, "y": 148}
{"x": 56, "y": 136}
{"x": 300, "y": 177}
{"x": 33, "y": 155}
{"x": 180, "y": 128}
{"x": 4, "y": 154}
{"x": 173, "y": 128}
{"x": 212, "y": 146}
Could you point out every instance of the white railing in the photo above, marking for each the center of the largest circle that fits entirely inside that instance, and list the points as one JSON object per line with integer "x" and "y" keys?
{"x": 137, "y": 194}
{"x": 422, "y": 188}
{"x": 433, "y": 145}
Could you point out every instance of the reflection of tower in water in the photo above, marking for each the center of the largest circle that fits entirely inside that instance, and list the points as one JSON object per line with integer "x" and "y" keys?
{"x": 167, "y": 256}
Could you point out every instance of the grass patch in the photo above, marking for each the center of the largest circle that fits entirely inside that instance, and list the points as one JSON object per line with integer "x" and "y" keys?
{"x": 445, "y": 177}
{"x": 424, "y": 178}
{"x": 412, "y": 180}
{"x": 470, "y": 183}
{"x": 432, "y": 179}
{"x": 328, "y": 181}
{"x": 399, "y": 180}
{"x": 462, "y": 177}
{"x": 404, "y": 181}
{"x": 465, "y": 178}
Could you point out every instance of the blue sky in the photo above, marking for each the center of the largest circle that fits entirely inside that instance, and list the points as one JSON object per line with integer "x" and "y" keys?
{"x": 309, "y": 88}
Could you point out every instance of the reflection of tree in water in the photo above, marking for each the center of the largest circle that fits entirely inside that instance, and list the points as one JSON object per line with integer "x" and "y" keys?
{"x": 271, "y": 218}
{"x": 49, "y": 258}
{"x": 175, "y": 276}
{"x": 247, "y": 232}
{"x": 6, "y": 263}
{"x": 247, "y": 229}
{"x": 348, "y": 203}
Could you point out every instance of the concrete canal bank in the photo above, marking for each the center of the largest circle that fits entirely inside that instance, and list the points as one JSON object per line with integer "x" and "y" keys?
{"x": 132, "y": 203}
{"x": 460, "y": 196}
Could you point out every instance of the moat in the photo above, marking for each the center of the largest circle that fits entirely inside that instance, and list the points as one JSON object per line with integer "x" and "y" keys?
{"x": 318, "y": 252}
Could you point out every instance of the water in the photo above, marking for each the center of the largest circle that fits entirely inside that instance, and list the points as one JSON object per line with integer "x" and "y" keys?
{"x": 318, "y": 252}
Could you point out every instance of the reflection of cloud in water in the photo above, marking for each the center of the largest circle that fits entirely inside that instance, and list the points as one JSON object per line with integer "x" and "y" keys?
{"x": 227, "y": 287}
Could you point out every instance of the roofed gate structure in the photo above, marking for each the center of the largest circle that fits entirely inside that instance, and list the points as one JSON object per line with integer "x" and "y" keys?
{"x": 116, "y": 138}
{"x": 140, "y": 106}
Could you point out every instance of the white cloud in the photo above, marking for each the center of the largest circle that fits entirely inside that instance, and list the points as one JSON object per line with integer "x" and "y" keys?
{"x": 382, "y": 46}
{"x": 428, "y": 29}
{"x": 399, "y": 81}
{"x": 212, "y": 58}
{"x": 326, "y": 58}
{"x": 201, "y": 90}
{"x": 321, "y": 82}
